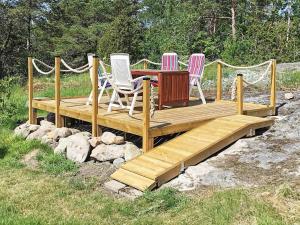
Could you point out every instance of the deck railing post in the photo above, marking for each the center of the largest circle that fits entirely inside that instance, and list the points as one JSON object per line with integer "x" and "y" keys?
{"x": 145, "y": 65}
{"x": 31, "y": 110}
{"x": 273, "y": 86}
{"x": 147, "y": 141}
{"x": 219, "y": 82}
{"x": 240, "y": 94}
{"x": 58, "y": 118}
{"x": 95, "y": 131}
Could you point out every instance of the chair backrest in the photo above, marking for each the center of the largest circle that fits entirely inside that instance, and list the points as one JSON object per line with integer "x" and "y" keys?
{"x": 120, "y": 71}
{"x": 196, "y": 64}
{"x": 101, "y": 70}
{"x": 169, "y": 61}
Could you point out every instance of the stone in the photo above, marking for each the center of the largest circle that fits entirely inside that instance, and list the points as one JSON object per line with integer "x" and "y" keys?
{"x": 59, "y": 133}
{"x": 45, "y": 123}
{"x": 108, "y": 138}
{"x": 74, "y": 131}
{"x": 118, "y": 162}
{"x": 114, "y": 186}
{"x": 129, "y": 192}
{"x": 105, "y": 152}
{"x": 288, "y": 96}
{"x": 95, "y": 141}
{"x": 61, "y": 148}
{"x": 88, "y": 135}
{"x": 33, "y": 127}
{"x": 49, "y": 141}
{"x": 22, "y": 130}
{"x": 38, "y": 134}
{"x": 78, "y": 147}
{"x": 131, "y": 151}
{"x": 119, "y": 140}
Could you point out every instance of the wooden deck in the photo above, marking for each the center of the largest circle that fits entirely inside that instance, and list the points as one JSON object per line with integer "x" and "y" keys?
{"x": 164, "y": 122}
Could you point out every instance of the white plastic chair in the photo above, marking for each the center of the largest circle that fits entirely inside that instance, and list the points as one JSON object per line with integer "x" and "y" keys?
{"x": 103, "y": 84}
{"x": 123, "y": 83}
{"x": 196, "y": 69}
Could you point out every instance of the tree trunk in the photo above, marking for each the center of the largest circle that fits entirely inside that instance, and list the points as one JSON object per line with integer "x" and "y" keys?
{"x": 233, "y": 18}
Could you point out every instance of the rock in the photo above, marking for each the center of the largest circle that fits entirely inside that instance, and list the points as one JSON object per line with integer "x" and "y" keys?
{"x": 62, "y": 146}
{"x": 86, "y": 134}
{"x": 33, "y": 127}
{"x": 119, "y": 140}
{"x": 38, "y": 134}
{"x": 45, "y": 123}
{"x": 59, "y": 133}
{"x": 131, "y": 151}
{"x": 22, "y": 130}
{"x": 108, "y": 152}
{"x": 288, "y": 96}
{"x": 114, "y": 186}
{"x": 108, "y": 138}
{"x": 78, "y": 147}
{"x": 49, "y": 141}
{"x": 74, "y": 131}
{"x": 118, "y": 162}
{"x": 95, "y": 141}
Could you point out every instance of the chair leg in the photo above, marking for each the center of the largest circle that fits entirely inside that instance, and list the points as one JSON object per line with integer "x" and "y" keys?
{"x": 201, "y": 93}
{"x": 101, "y": 93}
{"x": 112, "y": 100}
{"x": 120, "y": 101}
{"x": 133, "y": 103}
{"x": 89, "y": 99}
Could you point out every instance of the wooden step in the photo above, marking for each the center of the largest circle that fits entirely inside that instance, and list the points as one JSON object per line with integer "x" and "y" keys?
{"x": 134, "y": 180}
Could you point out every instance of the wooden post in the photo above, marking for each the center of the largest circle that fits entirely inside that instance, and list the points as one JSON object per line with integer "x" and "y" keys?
{"x": 31, "y": 111}
{"x": 145, "y": 65}
{"x": 58, "y": 118}
{"x": 240, "y": 94}
{"x": 95, "y": 96}
{"x": 219, "y": 82}
{"x": 273, "y": 86}
{"x": 147, "y": 141}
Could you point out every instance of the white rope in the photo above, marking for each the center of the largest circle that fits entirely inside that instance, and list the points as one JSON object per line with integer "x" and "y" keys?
{"x": 81, "y": 69}
{"x": 248, "y": 83}
{"x": 208, "y": 64}
{"x": 152, "y": 101}
{"x": 44, "y": 64}
{"x": 244, "y": 67}
{"x": 182, "y": 63}
{"x": 145, "y": 60}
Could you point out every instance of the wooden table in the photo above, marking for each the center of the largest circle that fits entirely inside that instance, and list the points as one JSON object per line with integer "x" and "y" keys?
{"x": 173, "y": 86}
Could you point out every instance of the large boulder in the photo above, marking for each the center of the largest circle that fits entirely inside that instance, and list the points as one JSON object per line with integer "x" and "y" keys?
{"x": 108, "y": 138}
{"x": 131, "y": 151}
{"x": 78, "y": 147}
{"x": 61, "y": 148}
{"x": 38, "y": 134}
{"x": 25, "y": 129}
{"x": 105, "y": 152}
{"x": 59, "y": 133}
{"x": 95, "y": 141}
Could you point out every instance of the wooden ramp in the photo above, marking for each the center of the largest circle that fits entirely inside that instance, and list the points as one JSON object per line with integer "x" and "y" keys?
{"x": 166, "y": 161}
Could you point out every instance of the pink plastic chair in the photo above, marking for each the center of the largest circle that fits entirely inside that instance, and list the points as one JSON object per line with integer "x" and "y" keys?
{"x": 196, "y": 69}
{"x": 169, "y": 61}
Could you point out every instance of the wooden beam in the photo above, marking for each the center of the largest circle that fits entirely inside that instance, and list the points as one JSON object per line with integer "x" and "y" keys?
{"x": 147, "y": 140}
{"x": 240, "y": 94}
{"x": 58, "y": 118}
{"x": 95, "y": 96}
{"x": 31, "y": 110}
{"x": 219, "y": 82}
{"x": 273, "y": 86}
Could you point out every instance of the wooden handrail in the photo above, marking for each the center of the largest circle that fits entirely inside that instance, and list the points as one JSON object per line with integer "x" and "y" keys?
{"x": 95, "y": 131}
{"x": 147, "y": 140}
{"x": 58, "y": 118}
{"x": 240, "y": 94}
{"x": 31, "y": 111}
{"x": 219, "y": 81}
